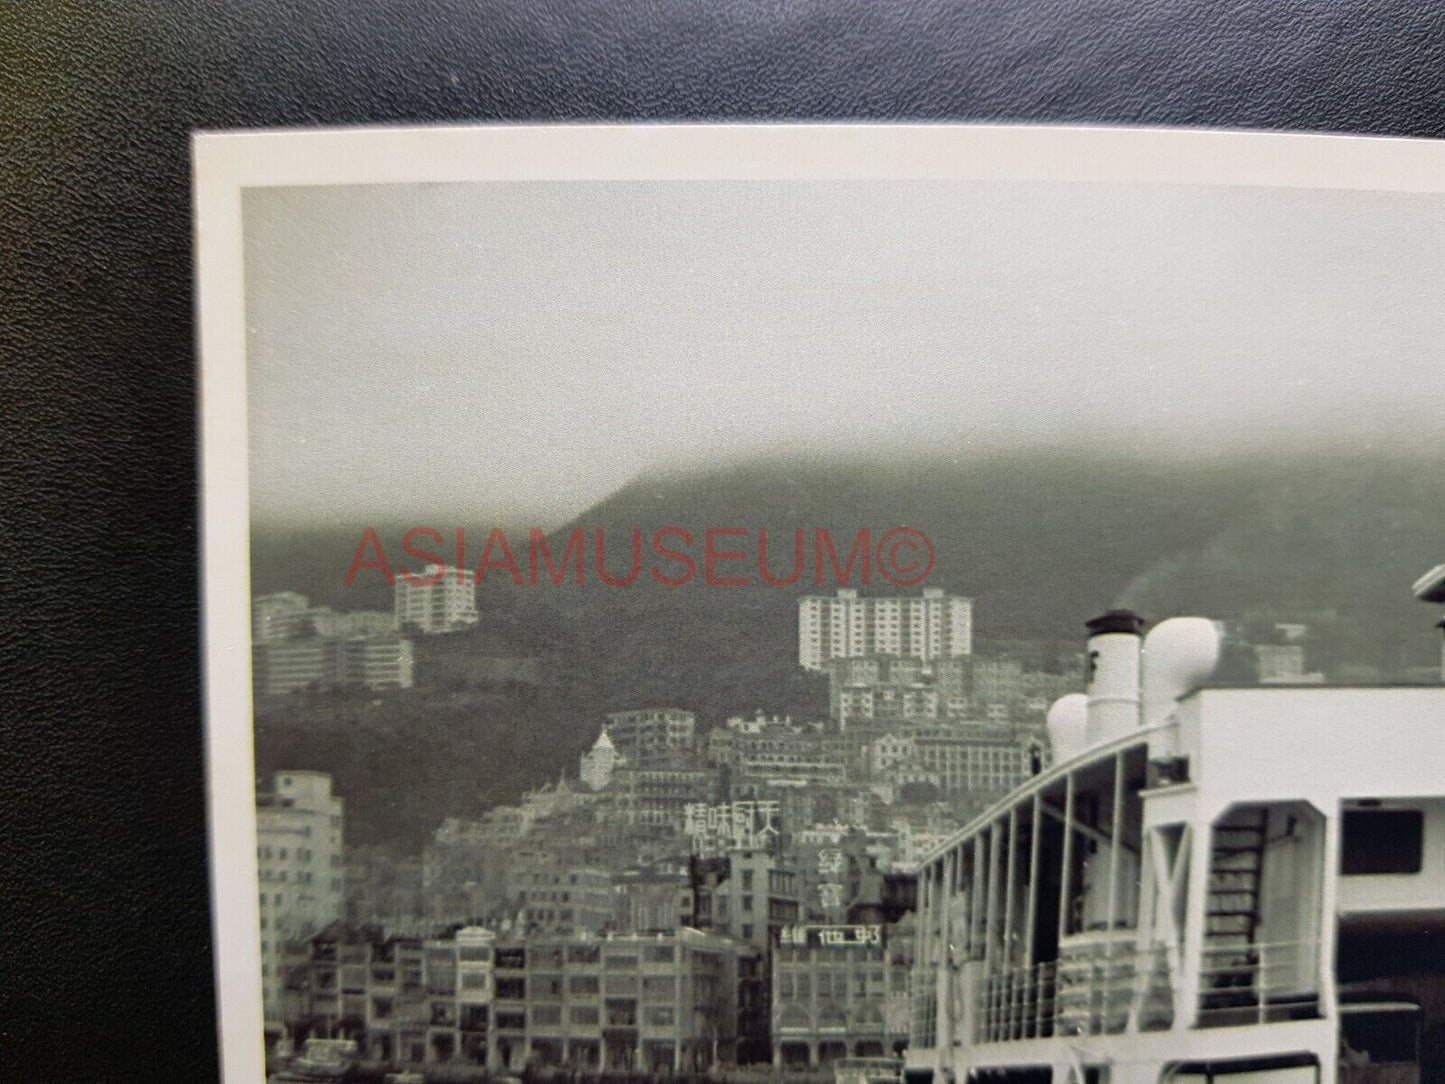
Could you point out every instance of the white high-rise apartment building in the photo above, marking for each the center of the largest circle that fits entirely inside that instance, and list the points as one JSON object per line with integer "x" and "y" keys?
{"x": 298, "y": 852}
{"x": 931, "y": 626}
{"x": 276, "y": 617}
{"x": 446, "y": 605}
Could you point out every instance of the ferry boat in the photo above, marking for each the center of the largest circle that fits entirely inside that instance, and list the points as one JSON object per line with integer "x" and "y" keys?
{"x": 1210, "y": 884}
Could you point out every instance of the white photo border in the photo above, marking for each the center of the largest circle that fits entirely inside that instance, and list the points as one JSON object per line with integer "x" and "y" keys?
{"x": 225, "y": 164}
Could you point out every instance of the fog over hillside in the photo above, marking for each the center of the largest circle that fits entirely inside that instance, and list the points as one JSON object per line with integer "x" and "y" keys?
{"x": 1041, "y": 540}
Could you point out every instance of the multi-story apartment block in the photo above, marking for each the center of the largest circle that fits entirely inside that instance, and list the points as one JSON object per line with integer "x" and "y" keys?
{"x": 657, "y": 795}
{"x": 796, "y": 768}
{"x": 324, "y": 662}
{"x": 302, "y": 876}
{"x": 750, "y": 896}
{"x": 653, "y": 898}
{"x": 465, "y": 867}
{"x": 652, "y": 734}
{"x": 286, "y": 615}
{"x": 666, "y": 1002}
{"x": 740, "y": 738}
{"x": 933, "y": 626}
{"x": 385, "y": 888}
{"x": 349, "y": 624}
{"x": 436, "y": 600}
{"x": 549, "y": 894}
{"x": 841, "y": 991}
{"x": 881, "y": 688}
{"x": 277, "y": 616}
{"x": 969, "y": 759}
{"x": 878, "y": 689}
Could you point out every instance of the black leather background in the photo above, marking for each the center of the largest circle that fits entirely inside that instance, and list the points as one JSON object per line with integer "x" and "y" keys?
{"x": 104, "y": 948}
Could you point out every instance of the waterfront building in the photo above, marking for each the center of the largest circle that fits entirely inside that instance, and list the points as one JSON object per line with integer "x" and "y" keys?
{"x": 932, "y": 626}
{"x": 404, "y": 999}
{"x": 300, "y": 864}
{"x": 665, "y": 1002}
{"x": 1211, "y": 883}
{"x": 840, "y": 991}
{"x": 436, "y": 600}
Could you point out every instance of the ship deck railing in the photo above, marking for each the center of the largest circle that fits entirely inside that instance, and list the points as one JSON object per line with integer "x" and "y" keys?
{"x": 1081, "y": 994}
{"x": 1113, "y": 987}
{"x": 1258, "y": 983}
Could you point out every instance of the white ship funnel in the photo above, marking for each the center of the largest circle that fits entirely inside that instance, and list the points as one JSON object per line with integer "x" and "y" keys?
{"x": 1114, "y": 643}
{"x": 1179, "y": 654}
{"x": 1066, "y": 724}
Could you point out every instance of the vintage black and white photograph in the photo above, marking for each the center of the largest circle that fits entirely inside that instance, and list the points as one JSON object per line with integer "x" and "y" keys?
{"x": 830, "y": 605}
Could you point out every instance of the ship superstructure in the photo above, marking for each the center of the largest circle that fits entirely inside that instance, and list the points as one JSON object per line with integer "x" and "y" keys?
{"x": 1209, "y": 882}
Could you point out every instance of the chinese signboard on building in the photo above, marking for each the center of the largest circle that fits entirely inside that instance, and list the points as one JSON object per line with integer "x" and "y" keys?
{"x": 731, "y": 826}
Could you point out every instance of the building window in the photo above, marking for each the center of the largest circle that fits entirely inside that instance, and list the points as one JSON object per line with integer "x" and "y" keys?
{"x": 582, "y": 984}
{"x": 584, "y": 1014}
{"x": 1374, "y": 841}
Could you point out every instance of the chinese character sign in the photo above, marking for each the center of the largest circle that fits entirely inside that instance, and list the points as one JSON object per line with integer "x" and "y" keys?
{"x": 831, "y": 936}
{"x": 730, "y": 826}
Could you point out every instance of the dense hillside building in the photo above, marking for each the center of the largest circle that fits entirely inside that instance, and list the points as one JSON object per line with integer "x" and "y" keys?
{"x": 650, "y": 735}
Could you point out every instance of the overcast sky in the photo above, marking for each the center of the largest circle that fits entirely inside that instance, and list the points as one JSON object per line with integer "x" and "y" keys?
{"x": 519, "y": 351}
